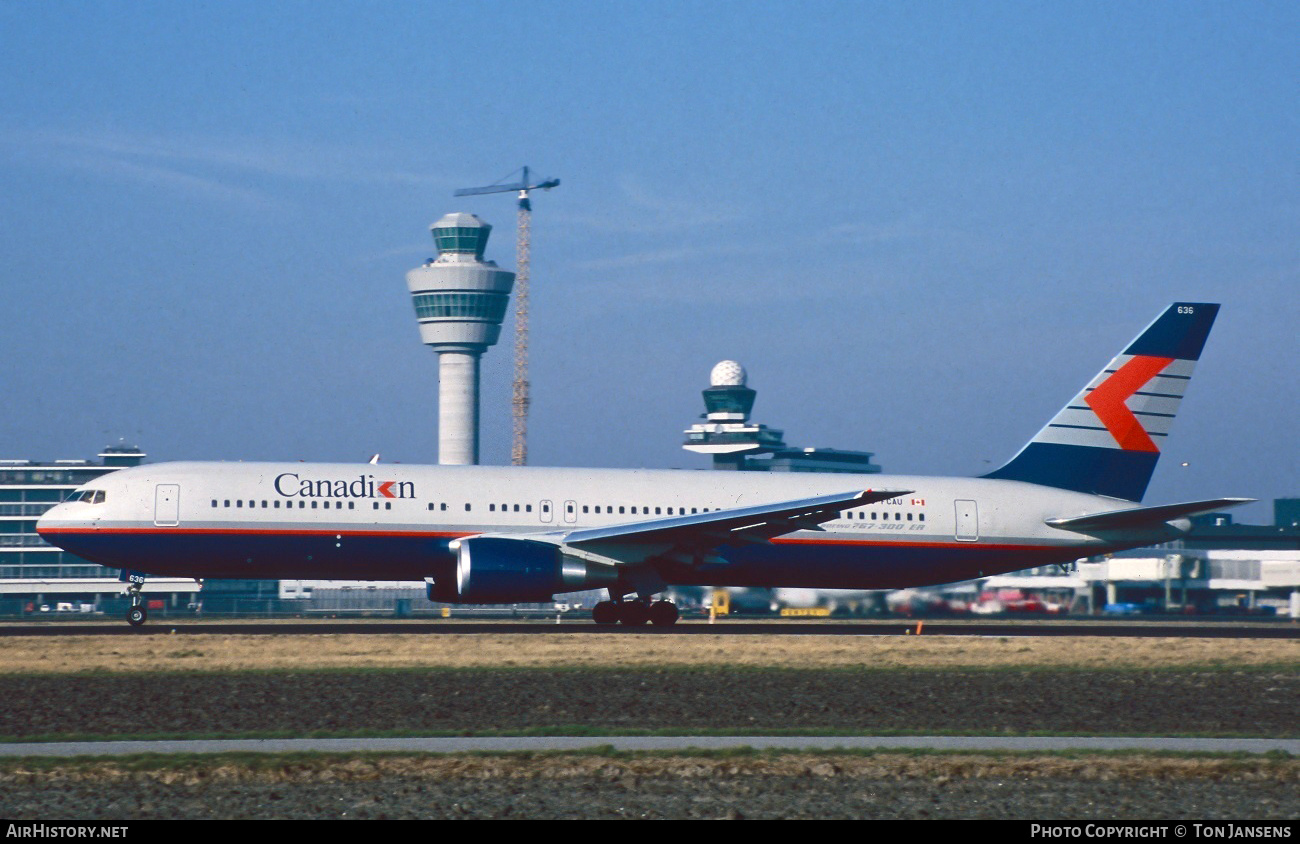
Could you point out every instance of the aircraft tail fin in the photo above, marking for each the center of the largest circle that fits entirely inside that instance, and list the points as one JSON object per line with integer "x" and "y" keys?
{"x": 1108, "y": 439}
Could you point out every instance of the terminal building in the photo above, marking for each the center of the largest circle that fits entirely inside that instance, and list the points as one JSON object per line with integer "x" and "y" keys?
{"x": 1219, "y": 567}
{"x": 38, "y": 577}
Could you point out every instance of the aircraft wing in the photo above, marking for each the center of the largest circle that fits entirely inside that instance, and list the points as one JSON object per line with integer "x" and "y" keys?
{"x": 729, "y": 527}
{"x": 1143, "y": 516}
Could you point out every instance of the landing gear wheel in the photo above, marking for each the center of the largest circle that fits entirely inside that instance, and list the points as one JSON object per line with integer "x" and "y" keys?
{"x": 605, "y": 612}
{"x": 663, "y": 614}
{"x": 136, "y": 616}
{"x": 633, "y": 613}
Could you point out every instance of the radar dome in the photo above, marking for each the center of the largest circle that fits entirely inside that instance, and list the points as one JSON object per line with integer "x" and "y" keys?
{"x": 727, "y": 373}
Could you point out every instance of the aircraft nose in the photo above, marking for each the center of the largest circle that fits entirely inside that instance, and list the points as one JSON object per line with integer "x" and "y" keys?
{"x": 46, "y": 521}
{"x": 56, "y": 520}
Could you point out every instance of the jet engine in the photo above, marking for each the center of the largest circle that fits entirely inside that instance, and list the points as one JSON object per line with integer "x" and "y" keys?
{"x": 499, "y": 570}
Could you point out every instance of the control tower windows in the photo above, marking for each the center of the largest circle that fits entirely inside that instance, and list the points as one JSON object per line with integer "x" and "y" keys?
{"x": 485, "y": 306}
{"x": 461, "y": 239}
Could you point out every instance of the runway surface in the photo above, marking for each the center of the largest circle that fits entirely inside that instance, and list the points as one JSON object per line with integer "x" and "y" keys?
{"x": 891, "y": 627}
{"x": 502, "y": 744}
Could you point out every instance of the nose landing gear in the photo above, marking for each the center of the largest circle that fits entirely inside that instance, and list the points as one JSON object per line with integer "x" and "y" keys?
{"x": 137, "y": 614}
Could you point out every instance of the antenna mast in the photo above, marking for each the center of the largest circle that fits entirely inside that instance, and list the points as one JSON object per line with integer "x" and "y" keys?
{"x": 520, "y": 400}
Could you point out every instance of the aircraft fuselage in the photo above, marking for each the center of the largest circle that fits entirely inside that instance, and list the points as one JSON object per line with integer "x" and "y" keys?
{"x": 398, "y": 522}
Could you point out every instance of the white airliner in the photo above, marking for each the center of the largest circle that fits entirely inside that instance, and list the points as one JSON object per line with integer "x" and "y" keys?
{"x": 514, "y": 534}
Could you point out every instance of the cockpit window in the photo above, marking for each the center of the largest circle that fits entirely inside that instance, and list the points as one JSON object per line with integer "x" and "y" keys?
{"x": 90, "y": 496}
{"x": 97, "y": 497}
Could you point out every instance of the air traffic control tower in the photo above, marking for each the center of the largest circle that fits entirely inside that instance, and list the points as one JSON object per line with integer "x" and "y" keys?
{"x": 728, "y": 434}
{"x": 460, "y": 302}
{"x": 738, "y": 444}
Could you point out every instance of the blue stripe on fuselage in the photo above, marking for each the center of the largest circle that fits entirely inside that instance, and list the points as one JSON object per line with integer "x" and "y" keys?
{"x": 828, "y": 564}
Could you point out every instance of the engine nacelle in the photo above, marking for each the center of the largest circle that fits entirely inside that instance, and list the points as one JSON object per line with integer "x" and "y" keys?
{"x": 499, "y": 570}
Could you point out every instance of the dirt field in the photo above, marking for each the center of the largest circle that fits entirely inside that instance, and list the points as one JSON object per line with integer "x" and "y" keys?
{"x": 467, "y": 701}
{"x": 782, "y": 786}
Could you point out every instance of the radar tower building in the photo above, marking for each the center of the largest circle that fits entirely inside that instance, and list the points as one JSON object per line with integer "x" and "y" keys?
{"x": 460, "y": 301}
{"x": 728, "y": 434}
{"x": 735, "y": 442}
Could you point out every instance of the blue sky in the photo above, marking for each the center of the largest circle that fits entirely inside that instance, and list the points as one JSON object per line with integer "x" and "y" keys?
{"x": 921, "y": 226}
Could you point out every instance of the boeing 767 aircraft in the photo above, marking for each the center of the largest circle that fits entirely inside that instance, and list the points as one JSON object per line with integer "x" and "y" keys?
{"x": 481, "y": 534}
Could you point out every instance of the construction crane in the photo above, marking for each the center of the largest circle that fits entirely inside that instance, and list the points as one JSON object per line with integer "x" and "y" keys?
{"x": 519, "y": 401}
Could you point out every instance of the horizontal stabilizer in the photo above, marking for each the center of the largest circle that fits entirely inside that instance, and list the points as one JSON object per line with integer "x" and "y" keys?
{"x": 1140, "y": 516}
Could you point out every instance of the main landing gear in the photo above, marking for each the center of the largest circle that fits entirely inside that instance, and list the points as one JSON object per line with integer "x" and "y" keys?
{"x": 635, "y": 613}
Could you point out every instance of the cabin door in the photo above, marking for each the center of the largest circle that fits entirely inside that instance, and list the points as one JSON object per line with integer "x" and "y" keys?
{"x": 968, "y": 521}
{"x": 167, "y": 505}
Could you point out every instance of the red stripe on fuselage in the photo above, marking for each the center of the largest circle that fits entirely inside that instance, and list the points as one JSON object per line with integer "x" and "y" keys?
{"x": 146, "y": 531}
{"x": 880, "y": 543}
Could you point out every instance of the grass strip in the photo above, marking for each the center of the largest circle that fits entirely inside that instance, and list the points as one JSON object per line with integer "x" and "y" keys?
{"x": 367, "y": 764}
{"x": 584, "y": 731}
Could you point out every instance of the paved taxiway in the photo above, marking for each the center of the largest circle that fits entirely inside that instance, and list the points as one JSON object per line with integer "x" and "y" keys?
{"x": 501, "y": 744}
